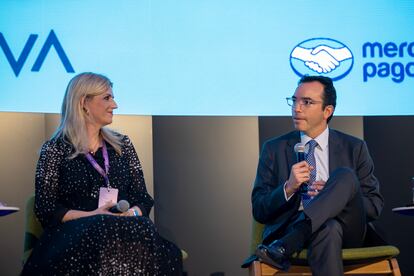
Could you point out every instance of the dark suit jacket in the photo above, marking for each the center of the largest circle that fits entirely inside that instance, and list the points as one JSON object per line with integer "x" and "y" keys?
{"x": 276, "y": 159}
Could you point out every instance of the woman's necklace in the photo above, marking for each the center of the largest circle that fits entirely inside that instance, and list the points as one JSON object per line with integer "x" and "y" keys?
{"x": 94, "y": 148}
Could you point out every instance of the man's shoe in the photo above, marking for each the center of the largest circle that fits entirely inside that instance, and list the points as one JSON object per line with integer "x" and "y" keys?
{"x": 274, "y": 255}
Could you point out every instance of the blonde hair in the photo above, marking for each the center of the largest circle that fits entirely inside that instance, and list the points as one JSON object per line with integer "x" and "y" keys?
{"x": 72, "y": 127}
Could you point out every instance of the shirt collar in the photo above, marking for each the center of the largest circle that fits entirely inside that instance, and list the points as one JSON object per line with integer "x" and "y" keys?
{"x": 322, "y": 139}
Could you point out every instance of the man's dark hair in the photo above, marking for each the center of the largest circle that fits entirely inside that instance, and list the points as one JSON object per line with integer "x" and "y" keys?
{"x": 329, "y": 92}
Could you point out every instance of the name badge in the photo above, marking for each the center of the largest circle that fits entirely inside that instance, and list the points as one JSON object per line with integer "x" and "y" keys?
{"x": 107, "y": 194}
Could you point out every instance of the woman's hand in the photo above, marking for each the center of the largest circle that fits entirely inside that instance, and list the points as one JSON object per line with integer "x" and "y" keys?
{"x": 132, "y": 212}
{"x": 104, "y": 209}
{"x": 75, "y": 214}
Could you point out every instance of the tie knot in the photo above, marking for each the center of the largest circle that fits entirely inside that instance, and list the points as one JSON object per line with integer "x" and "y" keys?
{"x": 312, "y": 144}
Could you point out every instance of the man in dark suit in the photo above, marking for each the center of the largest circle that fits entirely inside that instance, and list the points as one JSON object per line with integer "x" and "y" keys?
{"x": 342, "y": 195}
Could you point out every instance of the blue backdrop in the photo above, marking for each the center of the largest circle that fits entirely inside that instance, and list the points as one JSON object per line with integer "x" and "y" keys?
{"x": 212, "y": 57}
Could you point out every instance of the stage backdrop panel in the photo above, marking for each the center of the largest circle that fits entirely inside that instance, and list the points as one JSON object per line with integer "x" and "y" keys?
{"x": 209, "y": 57}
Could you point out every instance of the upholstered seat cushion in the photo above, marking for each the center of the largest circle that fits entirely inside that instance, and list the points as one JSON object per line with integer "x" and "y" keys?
{"x": 33, "y": 229}
{"x": 349, "y": 255}
{"x": 356, "y": 255}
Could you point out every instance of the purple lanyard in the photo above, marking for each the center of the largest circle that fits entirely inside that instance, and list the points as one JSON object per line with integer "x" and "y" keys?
{"x": 95, "y": 164}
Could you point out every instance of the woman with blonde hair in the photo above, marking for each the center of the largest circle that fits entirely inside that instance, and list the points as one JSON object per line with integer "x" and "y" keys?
{"x": 83, "y": 170}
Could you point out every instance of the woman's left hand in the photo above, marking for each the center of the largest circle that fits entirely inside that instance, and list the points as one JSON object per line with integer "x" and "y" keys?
{"x": 132, "y": 212}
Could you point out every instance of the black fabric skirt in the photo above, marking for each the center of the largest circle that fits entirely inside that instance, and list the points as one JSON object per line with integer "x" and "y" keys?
{"x": 104, "y": 245}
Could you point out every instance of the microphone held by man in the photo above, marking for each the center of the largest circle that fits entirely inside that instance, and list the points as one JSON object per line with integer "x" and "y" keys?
{"x": 299, "y": 149}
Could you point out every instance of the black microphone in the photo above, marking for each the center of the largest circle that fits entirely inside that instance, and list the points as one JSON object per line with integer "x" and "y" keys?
{"x": 120, "y": 207}
{"x": 300, "y": 156}
{"x": 300, "y": 152}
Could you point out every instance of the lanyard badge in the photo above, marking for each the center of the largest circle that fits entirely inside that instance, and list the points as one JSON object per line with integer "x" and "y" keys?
{"x": 107, "y": 193}
{"x": 95, "y": 164}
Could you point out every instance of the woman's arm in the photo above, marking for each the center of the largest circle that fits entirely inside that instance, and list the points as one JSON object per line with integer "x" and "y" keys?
{"x": 47, "y": 207}
{"x": 137, "y": 192}
{"x": 75, "y": 214}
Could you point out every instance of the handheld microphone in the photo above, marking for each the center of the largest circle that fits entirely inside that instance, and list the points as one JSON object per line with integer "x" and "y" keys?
{"x": 300, "y": 156}
{"x": 300, "y": 152}
{"x": 120, "y": 207}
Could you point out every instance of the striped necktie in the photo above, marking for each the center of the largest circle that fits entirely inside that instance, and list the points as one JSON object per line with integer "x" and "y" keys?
{"x": 310, "y": 159}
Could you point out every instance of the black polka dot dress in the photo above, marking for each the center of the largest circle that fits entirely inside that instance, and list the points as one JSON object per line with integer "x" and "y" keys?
{"x": 100, "y": 244}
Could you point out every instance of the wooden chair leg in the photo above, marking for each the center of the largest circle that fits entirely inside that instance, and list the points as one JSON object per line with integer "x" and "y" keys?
{"x": 384, "y": 266}
{"x": 395, "y": 268}
{"x": 255, "y": 269}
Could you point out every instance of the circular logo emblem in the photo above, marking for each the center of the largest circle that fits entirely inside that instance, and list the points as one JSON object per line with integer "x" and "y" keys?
{"x": 322, "y": 56}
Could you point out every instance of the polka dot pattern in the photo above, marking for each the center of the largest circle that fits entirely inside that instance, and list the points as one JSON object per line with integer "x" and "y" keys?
{"x": 99, "y": 244}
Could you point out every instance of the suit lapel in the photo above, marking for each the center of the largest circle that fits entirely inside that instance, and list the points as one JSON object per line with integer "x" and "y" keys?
{"x": 335, "y": 149}
{"x": 289, "y": 152}
{"x": 291, "y": 159}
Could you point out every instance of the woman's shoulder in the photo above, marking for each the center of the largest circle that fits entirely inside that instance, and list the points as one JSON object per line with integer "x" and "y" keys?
{"x": 57, "y": 145}
{"x": 117, "y": 136}
{"x": 126, "y": 143}
{"x": 125, "y": 139}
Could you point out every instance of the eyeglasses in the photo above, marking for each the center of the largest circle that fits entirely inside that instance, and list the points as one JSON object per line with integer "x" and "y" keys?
{"x": 306, "y": 102}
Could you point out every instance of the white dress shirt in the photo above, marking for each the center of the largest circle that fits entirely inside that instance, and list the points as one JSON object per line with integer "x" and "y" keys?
{"x": 321, "y": 153}
{"x": 321, "y": 156}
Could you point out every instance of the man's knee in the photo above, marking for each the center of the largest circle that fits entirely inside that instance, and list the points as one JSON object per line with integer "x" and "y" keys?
{"x": 348, "y": 176}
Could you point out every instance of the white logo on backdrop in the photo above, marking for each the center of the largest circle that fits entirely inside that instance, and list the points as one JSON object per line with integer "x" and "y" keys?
{"x": 322, "y": 56}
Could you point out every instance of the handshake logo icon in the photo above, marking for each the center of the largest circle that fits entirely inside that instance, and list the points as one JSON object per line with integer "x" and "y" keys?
{"x": 323, "y": 56}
